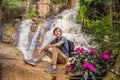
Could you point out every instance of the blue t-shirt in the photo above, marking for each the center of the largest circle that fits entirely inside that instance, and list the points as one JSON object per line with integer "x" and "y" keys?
{"x": 64, "y": 47}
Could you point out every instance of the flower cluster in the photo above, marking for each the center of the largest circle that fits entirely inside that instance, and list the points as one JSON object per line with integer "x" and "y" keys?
{"x": 105, "y": 55}
{"x": 90, "y": 62}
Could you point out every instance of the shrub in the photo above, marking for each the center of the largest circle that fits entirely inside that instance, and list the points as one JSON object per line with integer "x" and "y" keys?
{"x": 92, "y": 63}
{"x": 12, "y": 9}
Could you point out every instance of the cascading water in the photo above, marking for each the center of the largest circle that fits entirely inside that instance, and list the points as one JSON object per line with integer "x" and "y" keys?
{"x": 66, "y": 21}
{"x": 33, "y": 43}
{"x": 23, "y": 43}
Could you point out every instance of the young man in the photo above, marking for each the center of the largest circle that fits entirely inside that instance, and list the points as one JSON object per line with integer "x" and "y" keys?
{"x": 59, "y": 54}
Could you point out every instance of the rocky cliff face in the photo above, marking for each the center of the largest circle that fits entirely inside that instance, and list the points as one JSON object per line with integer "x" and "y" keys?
{"x": 8, "y": 32}
{"x": 73, "y": 3}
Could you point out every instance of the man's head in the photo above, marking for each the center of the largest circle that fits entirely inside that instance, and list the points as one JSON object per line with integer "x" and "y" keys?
{"x": 57, "y": 32}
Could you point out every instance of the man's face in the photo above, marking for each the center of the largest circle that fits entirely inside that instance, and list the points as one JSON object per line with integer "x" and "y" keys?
{"x": 58, "y": 33}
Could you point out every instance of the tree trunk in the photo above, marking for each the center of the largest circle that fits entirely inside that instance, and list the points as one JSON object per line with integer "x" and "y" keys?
{"x": 112, "y": 75}
{"x": 0, "y": 2}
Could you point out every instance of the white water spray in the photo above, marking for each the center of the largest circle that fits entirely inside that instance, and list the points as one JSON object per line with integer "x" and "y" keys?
{"x": 23, "y": 43}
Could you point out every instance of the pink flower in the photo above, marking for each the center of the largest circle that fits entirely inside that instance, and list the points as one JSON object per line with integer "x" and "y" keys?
{"x": 69, "y": 68}
{"x": 106, "y": 52}
{"x": 92, "y": 50}
{"x": 82, "y": 50}
{"x": 77, "y": 50}
{"x": 85, "y": 64}
{"x": 91, "y": 67}
{"x": 106, "y": 56}
{"x": 100, "y": 55}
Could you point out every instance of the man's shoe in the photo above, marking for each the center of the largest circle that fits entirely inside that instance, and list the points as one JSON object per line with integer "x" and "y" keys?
{"x": 50, "y": 70}
{"x": 30, "y": 61}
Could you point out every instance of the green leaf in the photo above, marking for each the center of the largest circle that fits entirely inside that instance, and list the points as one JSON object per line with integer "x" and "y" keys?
{"x": 92, "y": 75}
{"x": 86, "y": 75}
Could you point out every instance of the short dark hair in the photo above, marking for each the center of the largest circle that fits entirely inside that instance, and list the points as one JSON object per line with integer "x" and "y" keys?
{"x": 57, "y": 29}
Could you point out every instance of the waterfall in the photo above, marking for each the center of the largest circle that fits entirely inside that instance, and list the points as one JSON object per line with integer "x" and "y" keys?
{"x": 66, "y": 21}
{"x": 33, "y": 43}
{"x": 24, "y": 44}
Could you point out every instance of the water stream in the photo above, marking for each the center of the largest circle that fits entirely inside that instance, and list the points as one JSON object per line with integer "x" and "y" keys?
{"x": 24, "y": 44}
{"x": 66, "y": 20}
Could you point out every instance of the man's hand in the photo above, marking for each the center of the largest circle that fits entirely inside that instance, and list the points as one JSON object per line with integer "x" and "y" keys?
{"x": 57, "y": 44}
{"x": 42, "y": 49}
{"x": 38, "y": 53}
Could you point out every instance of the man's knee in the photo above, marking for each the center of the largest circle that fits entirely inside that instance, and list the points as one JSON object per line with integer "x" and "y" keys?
{"x": 44, "y": 51}
{"x": 54, "y": 48}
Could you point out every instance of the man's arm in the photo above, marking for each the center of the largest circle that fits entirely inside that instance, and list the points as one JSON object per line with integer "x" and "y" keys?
{"x": 44, "y": 48}
{"x": 50, "y": 45}
{"x": 57, "y": 44}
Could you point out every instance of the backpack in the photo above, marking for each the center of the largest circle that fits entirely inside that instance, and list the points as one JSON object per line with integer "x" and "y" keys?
{"x": 71, "y": 46}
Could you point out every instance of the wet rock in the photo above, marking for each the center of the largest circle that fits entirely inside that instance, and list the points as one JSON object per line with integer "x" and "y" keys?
{"x": 7, "y": 35}
{"x": 56, "y": 9}
{"x": 33, "y": 31}
{"x": 71, "y": 3}
{"x": 40, "y": 38}
{"x": 43, "y": 8}
{"x": 16, "y": 22}
{"x": 33, "y": 28}
{"x": 36, "y": 21}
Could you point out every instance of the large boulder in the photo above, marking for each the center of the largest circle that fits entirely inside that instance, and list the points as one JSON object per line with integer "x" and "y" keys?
{"x": 12, "y": 67}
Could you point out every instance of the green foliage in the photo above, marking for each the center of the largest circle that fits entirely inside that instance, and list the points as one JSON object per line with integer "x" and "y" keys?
{"x": 82, "y": 16}
{"x": 55, "y": 2}
{"x": 30, "y": 15}
{"x": 34, "y": 1}
{"x": 85, "y": 11}
{"x": 12, "y": 13}
{"x": 98, "y": 22}
{"x": 10, "y": 3}
{"x": 12, "y": 9}
{"x": 98, "y": 26}
{"x": 91, "y": 63}
{"x": 103, "y": 33}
